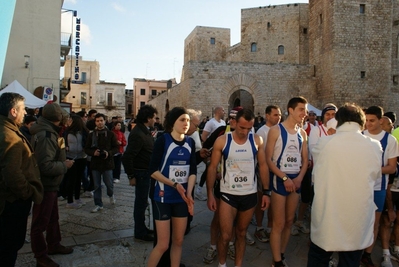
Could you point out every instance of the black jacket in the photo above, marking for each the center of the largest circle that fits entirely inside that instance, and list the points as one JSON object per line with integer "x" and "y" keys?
{"x": 103, "y": 140}
{"x": 139, "y": 148}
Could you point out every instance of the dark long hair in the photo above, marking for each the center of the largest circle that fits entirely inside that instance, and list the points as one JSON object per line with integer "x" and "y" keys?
{"x": 77, "y": 125}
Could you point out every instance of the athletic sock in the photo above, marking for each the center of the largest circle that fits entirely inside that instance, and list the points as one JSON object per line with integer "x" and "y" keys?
{"x": 259, "y": 228}
{"x": 231, "y": 243}
{"x": 222, "y": 265}
{"x": 396, "y": 248}
{"x": 385, "y": 252}
{"x": 213, "y": 247}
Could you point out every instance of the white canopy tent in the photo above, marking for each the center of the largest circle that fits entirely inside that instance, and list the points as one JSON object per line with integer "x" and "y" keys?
{"x": 313, "y": 108}
{"x": 31, "y": 101}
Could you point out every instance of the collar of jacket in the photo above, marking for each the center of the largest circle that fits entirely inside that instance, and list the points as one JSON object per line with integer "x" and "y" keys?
{"x": 143, "y": 128}
{"x": 9, "y": 123}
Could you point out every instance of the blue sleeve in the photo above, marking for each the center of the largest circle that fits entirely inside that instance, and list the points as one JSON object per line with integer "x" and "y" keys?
{"x": 157, "y": 154}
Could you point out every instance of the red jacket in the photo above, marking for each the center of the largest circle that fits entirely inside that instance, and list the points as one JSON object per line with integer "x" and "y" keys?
{"x": 121, "y": 138}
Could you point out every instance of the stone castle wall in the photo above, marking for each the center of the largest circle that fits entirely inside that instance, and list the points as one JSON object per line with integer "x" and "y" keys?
{"x": 215, "y": 82}
{"x": 273, "y": 26}
{"x": 198, "y": 47}
{"x": 332, "y": 53}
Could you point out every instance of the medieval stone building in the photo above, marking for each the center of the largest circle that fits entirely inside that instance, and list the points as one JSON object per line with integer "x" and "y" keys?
{"x": 327, "y": 51}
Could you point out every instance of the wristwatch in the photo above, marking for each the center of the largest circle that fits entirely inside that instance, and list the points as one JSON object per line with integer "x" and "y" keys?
{"x": 285, "y": 178}
{"x": 175, "y": 185}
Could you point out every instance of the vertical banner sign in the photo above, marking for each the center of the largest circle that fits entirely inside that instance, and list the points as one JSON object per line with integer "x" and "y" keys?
{"x": 77, "y": 45}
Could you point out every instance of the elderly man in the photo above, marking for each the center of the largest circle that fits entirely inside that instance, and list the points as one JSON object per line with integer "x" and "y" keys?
{"x": 19, "y": 178}
{"x": 346, "y": 166}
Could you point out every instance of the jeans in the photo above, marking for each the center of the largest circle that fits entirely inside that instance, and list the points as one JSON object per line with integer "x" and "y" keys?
{"x": 13, "y": 221}
{"x": 45, "y": 218}
{"x": 88, "y": 184}
{"x": 108, "y": 181}
{"x": 141, "y": 201}
{"x": 318, "y": 257}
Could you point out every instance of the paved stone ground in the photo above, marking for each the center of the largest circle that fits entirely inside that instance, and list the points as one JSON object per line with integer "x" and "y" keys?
{"x": 106, "y": 238}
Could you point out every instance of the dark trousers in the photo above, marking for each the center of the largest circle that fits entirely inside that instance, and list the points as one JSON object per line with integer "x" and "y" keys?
{"x": 116, "y": 173}
{"x": 13, "y": 221}
{"x": 45, "y": 218}
{"x": 318, "y": 257}
{"x": 74, "y": 177}
{"x": 62, "y": 189}
{"x": 141, "y": 201}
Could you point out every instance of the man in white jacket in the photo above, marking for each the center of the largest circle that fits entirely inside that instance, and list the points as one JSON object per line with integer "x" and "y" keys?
{"x": 346, "y": 166}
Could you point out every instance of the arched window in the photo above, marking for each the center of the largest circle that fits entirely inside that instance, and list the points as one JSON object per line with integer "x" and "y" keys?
{"x": 253, "y": 47}
{"x": 281, "y": 50}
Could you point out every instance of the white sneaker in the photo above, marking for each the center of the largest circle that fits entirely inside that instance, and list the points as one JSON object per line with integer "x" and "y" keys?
{"x": 301, "y": 226}
{"x": 96, "y": 209}
{"x": 112, "y": 200}
{"x": 88, "y": 194}
{"x": 394, "y": 254}
{"x": 210, "y": 255}
{"x": 386, "y": 261}
{"x": 249, "y": 239}
{"x": 333, "y": 262}
{"x": 79, "y": 201}
{"x": 73, "y": 205}
{"x": 198, "y": 195}
{"x": 116, "y": 181}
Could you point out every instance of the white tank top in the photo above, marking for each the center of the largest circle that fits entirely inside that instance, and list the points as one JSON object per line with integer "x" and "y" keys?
{"x": 291, "y": 158}
{"x": 238, "y": 166}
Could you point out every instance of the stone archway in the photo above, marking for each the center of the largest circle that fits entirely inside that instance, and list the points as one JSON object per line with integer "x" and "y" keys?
{"x": 241, "y": 98}
{"x": 241, "y": 88}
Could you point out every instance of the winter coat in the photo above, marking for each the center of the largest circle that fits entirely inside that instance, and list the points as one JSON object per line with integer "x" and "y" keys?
{"x": 50, "y": 153}
{"x": 19, "y": 175}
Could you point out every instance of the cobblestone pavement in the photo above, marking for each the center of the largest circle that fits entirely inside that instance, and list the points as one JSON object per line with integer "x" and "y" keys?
{"x": 106, "y": 238}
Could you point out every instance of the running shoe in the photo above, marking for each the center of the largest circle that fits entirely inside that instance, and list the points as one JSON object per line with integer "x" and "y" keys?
{"x": 302, "y": 227}
{"x": 261, "y": 236}
{"x": 386, "y": 261}
{"x": 232, "y": 252}
{"x": 248, "y": 238}
{"x": 210, "y": 255}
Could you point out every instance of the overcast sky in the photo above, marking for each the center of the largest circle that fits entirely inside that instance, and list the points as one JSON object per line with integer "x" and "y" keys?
{"x": 145, "y": 38}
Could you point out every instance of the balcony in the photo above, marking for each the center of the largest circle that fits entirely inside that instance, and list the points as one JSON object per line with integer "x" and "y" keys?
{"x": 66, "y": 45}
{"x": 109, "y": 105}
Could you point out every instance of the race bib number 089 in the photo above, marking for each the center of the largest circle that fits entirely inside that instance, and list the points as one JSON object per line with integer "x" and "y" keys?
{"x": 179, "y": 173}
